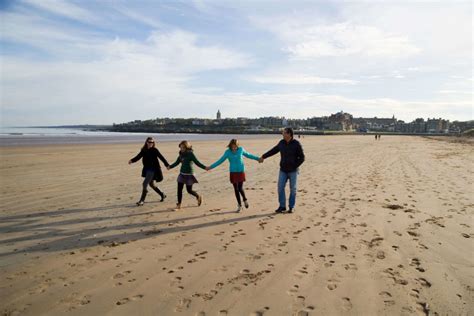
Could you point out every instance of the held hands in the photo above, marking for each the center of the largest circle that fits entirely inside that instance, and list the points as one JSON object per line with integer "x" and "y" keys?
{"x": 260, "y": 160}
{"x": 208, "y": 168}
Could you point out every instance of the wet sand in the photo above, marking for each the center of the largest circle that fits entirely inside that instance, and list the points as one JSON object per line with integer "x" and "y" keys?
{"x": 380, "y": 228}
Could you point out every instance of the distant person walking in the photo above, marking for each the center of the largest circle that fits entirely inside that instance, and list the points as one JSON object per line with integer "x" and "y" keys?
{"x": 235, "y": 154}
{"x": 151, "y": 168}
{"x": 292, "y": 157}
{"x": 186, "y": 176}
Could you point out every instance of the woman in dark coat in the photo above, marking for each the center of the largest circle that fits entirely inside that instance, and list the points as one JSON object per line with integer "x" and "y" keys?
{"x": 151, "y": 168}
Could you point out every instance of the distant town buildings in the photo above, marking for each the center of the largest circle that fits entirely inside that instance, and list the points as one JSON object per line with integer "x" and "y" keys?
{"x": 338, "y": 122}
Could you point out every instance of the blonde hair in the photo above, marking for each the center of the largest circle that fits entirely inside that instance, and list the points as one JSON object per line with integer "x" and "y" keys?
{"x": 233, "y": 142}
{"x": 186, "y": 144}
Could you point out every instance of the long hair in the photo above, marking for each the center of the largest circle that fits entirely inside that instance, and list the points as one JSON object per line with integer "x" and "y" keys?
{"x": 186, "y": 145}
{"x": 145, "y": 146}
{"x": 233, "y": 142}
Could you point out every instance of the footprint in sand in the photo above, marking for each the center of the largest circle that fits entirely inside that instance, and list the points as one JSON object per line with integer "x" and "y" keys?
{"x": 331, "y": 286}
{"x": 380, "y": 255}
{"x": 417, "y": 264}
{"x": 299, "y": 300}
{"x": 127, "y": 300}
{"x": 294, "y": 289}
{"x": 350, "y": 266}
{"x": 183, "y": 304}
{"x": 346, "y": 304}
{"x": 301, "y": 272}
{"x": 387, "y": 298}
{"x": 424, "y": 282}
{"x": 260, "y": 312}
{"x": 121, "y": 275}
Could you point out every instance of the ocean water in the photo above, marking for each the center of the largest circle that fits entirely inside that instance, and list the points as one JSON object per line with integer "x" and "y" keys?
{"x": 31, "y": 136}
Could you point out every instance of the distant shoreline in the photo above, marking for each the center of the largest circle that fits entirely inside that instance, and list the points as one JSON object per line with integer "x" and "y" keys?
{"x": 53, "y": 140}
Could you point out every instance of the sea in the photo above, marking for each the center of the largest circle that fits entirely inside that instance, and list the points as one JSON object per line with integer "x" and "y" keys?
{"x": 36, "y": 136}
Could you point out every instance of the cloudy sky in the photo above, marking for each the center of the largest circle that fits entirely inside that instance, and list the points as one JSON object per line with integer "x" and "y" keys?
{"x": 100, "y": 62}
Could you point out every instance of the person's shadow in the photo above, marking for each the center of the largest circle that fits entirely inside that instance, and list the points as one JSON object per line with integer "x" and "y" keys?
{"x": 53, "y": 236}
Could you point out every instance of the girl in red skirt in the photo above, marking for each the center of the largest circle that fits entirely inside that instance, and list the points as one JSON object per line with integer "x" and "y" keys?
{"x": 234, "y": 154}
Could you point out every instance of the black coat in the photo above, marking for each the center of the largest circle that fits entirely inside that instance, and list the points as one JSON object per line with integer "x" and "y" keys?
{"x": 292, "y": 155}
{"x": 150, "y": 161}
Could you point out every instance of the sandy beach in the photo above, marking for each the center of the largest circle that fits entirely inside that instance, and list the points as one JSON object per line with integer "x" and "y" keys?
{"x": 380, "y": 228}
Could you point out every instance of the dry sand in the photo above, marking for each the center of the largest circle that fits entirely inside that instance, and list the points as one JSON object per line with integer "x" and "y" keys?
{"x": 381, "y": 228}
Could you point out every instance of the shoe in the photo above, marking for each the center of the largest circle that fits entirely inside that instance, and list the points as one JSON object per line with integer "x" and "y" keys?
{"x": 199, "y": 200}
{"x": 280, "y": 210}
{"x": 163, "y": 197}
{"x": 178, "y": 206}
{"x": 246, "y": 203}
{"x": 140, "y": 203}
{"x": 291, "y": 210}
{"x": 239, "y": 208}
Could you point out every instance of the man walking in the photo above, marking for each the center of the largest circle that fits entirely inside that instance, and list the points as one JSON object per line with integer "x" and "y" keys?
{"x": 292, "y": 157}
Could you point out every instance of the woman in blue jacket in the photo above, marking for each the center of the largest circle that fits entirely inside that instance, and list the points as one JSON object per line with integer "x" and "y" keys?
{"x": 234, "y": 154}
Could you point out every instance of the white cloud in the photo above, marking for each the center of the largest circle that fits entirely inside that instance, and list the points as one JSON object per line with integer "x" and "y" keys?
{"x": 301, "y": 80}
{"x": 93, "y": 75}
{"x": 139, "y": 17}
{"x": 65, "y": 9}
{"x": 41, "y": 33}
{"x": 349, "y": 39}
{"x": 454, "y": 92}
{"x": 130, "y": 80}
{"x": 305, "y": 39}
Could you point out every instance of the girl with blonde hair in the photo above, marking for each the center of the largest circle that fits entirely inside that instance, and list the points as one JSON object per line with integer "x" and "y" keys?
{"x": 186, "y": 176}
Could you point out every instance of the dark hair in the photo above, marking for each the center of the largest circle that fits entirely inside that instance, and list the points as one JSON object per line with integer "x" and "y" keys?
{"x": 145, "y": 146}
{"x": 289, "y": 130}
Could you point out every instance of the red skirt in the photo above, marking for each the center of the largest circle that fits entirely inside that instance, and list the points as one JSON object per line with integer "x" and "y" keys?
{"x": 236, "y": 177}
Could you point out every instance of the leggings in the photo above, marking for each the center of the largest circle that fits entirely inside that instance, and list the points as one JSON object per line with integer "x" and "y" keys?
{"x": 189, "y": 188}
{"x": 239, "y": 190}
{"x": 149, "y": 181}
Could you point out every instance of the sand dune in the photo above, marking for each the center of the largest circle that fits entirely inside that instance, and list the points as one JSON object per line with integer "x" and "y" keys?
{"x": 381, "y": 228}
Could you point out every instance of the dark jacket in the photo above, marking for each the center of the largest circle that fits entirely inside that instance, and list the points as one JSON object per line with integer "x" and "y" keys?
{"x": 292, "y": 155}
{"x": 150, "y": 161}
{"x": 186, "y": 159}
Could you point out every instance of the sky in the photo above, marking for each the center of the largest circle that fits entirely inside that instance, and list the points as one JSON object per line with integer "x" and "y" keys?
{"x": 103, "y": 62}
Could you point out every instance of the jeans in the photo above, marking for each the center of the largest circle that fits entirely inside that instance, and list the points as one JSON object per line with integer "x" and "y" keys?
{"x": 282, "y": 179}
{"x": 148, "y": 181}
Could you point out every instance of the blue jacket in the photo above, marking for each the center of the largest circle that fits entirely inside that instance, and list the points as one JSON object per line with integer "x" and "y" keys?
{"x": 236, "y": 159}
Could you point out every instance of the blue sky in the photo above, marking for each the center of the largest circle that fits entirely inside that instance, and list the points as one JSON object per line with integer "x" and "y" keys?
{"x": 100, "y": 62}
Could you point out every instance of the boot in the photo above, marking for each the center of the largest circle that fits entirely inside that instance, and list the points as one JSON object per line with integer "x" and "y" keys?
{"x": 142, "y": 198}
{"x": 163, "y": 195}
